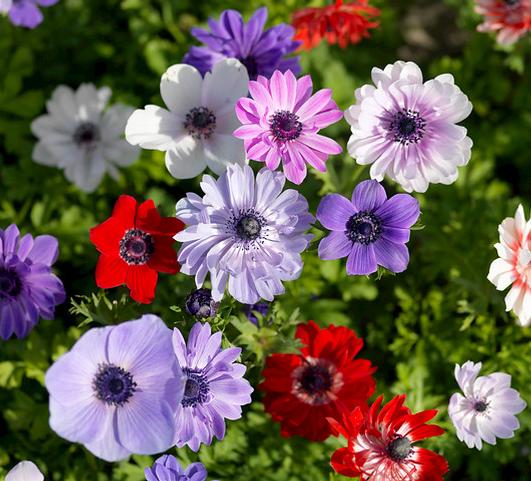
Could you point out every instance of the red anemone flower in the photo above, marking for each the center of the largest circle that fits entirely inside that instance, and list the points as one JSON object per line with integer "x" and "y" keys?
{"x": 510, "y": 18}
{"x": 380, "y": 444}
{"x": 339, "y": 23}
{"x": 324, "y": 381}
{"x": 135, "y": 243}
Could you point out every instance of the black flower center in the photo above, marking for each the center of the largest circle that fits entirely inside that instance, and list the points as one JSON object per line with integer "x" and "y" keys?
{"x": 406, "y": 126}
{"x": 251, "y": 65}
{"x": 399, "y": 449}
{"x": 480, "y": 406}
{"x": 285, "y": 125}
{"x": 512, "y": 3}
{"x": 248, "y": 227}
{"x": 200, "y": 123}
{"x": 113, "y": 385}
{"x": 136, "y": 247}
{"x": 10, "y": 284}
{"x": 316, "y": 379}
{"x": 86, "y": 134}
{"x": 196, "y": 388}
{"x": 363, "y": 227}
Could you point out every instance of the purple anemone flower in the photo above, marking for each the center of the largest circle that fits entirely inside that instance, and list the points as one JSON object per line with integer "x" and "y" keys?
{"x": 28, "y": 288}
{"x": 370, "y": 229}
{"x": 281, "y": 122}
{"x": 25, "y": 13}
{"x": 117, "y": 389}
{"x": 215, "y": 387}
{"x": 262, "y": 52}
{"x": 251, "y": 311}
{"x": 167, "y": 468}
{"x": 201, "y": 305}
{"x": 247, "y": 233}
{"x": 486, "y": 409}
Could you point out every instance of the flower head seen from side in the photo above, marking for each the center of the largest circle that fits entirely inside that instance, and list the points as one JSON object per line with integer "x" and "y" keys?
{"x": 513, "y": 267}
{"x": 260, "y": 51}
{"x": 252, "y": 311}
{"x": 117, "y": 389}
{"x": 406, "y": 128}
{"x": 381, "y": 444}
{"x": 511, "y": 19}
{"x": 135, "y": 244}
{"x": 25, "y": 471}
{"x": 201, "y": 305}
{"x": 249, "y": 234}
{"x": 28, "y": 288}
{"x": 80, "y": 135}
{"x": 195, "y": 131}
{"x": 25, "y": 13}
{"x": 281, "y": 121}
{"x": 323, "y": 381}
{"x": 214, "y": 389}
{"x": 370, "y": 229}
{"x": 486, "y": 410}
{"x": 168, "y": 468}
{"x": 340, "y": 23}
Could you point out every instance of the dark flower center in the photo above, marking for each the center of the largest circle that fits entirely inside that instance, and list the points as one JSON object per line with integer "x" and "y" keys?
{"x": 285, "y": 125}
{"x": 406, "y": 126}
{"x": 251, "y": 65}
{"x": 136, "y": 247}
{"x": 399, "y": 449}
{"x": 316, "y": 381}
{"x": 248, "y": 227}
{"x": 86, "y": 134}
{"x": 113, "y": 385}
{"x": 200, "y": 304}
{"x": 10, "y": 284}
{"x": 363, "y": 227}
{"x": 512, "y": 3}
{"x": 196, "y": 389}
{"x": 200, "y": 123}
{"x": 480, "y": 406}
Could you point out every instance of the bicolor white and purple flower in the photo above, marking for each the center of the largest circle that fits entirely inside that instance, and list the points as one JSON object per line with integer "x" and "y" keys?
{"x": 249, "y": 234}
{"x": 214, "y": 390}
{"x": 370, "y": 229}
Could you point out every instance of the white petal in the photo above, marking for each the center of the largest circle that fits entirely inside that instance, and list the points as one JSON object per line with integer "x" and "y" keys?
{"x": 41, "y": 155}
{"x": 501, "y": 274}
{"x": 25, "y": 471}
{"x": 114, "y": 121}
{"x": 186, "y": 159}
{"x": 180, "y": 87}
{"x": 87, "y": 173}
{"x": 222, "y": 150}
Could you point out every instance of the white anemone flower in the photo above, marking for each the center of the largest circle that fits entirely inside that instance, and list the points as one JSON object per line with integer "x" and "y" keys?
{"x": 196, "y": 129}
{"x": 25, "y": 471}
{"x": 83, "y": 137}
{"x": 513, "y": 267}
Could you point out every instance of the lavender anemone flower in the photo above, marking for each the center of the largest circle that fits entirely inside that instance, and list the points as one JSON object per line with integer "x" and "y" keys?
{"x": 487, "y": 409}
{"x": 215, "y": 387}
{"x": 167, "y": 468}
{"x": 370, "y": 229}
{"x": 246, "y": 233}
{"x": 281, "y": 123}
{"x": 117, "y": 389}
{"x": 262, "y": 52}
{"x": 406, "y": 128}
{"x": 28, "y": 288}
{"x": 25, "y": 13}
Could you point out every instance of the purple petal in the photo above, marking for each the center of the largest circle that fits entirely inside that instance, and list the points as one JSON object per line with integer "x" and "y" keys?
{"x": 25, "y": 14}
{"x": 10, "y": 242}
{"x": 45, "y": 250}
{"x": 107, "y": 446}
{"x": 321, "y": 143}
{"x": 361, "y": 260}
{"x": 334, "y": 211}
{"x": 395, "y": 234}
{"x": 394, "y": 257}
{"x": 368, "y": 195}
{"x": 401, "y": 210}
{"x": 334, "y": 246}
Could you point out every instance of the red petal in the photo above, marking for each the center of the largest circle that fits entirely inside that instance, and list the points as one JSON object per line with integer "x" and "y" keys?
{"x": 125, "y": 210}
{"x": 110, "y": 271}
{"x": 170, "y": 225}
{"x": 426, "y": 431}
{"x": 147, "y": 217}
{"x": 142, "y": 281}
{"x": 343, "y": 463}
{"x": 107, "y": 236}
{"x": 164, "y": 258}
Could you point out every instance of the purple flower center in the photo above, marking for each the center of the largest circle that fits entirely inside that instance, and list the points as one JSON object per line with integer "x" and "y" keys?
{"x": 200, "y": 123}
{"x": 113, "y": 385}
{"x": 86, "y": 134}
{"x": 285, "y": 125}
{"x": 10, "y": 284}
{"x": 480, "y": 406}
{"x": 399, "y": 449}
{"x": 363, "y": 227}
{"x": 247, "y": 227}
{"x": 315, "y": 381}
{"x": 406, "y": 126}
{"x": 196, "y": 389}
{"x": 136, "y": 247}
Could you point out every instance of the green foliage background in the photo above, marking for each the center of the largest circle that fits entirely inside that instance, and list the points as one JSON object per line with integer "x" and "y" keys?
{"x": 416, "y": 325}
